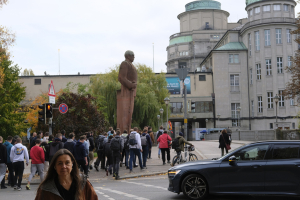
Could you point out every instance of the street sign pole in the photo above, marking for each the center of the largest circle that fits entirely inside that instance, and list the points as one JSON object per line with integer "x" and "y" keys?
{"x": 50, "y": 126}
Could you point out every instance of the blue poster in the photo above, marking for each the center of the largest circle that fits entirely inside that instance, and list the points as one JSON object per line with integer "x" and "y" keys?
{"x": 174, "y": 85}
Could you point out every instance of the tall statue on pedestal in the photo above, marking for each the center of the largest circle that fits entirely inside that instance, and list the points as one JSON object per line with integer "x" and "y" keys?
{"x": 125, "y": 96}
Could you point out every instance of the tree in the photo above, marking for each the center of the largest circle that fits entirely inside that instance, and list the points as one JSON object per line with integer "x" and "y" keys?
{"x": 151, "y": 91}
{"x": 27, "y": 72}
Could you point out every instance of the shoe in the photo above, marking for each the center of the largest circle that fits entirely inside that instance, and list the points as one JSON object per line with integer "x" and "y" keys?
{"x": 91, "y": 167}
{"x": 114, "y": 175}
{"x": 3, "y": 187}
{"x": 27, "y": 187}
{"x": 149, "y": 158}
{"x": 127, "y": 167}
{"x": 15, "y": 187}
{"x": 110, "y": 172}
{"x": 130, "y": 171}
{"x": 169, "y": 162}
{"x": 19, "y": 188}
{"x": 117, "y": 177}
{"x": 106, "y": 172}
{"x": 135, "y": 166}
{"x": 158, "y": 156}
{"x": 96, "y": 167}
{"x": 121, "y": 164}
{"x": 164, "y": 163}
{"x": 143, "y": 168}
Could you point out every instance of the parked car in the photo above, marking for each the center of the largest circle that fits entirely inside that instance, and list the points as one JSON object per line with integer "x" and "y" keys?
{"x": 269, "y": 167}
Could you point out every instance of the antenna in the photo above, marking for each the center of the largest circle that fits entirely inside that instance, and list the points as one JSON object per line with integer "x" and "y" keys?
{"x": 153, "y": 57}
{"x": 58, "y": 61}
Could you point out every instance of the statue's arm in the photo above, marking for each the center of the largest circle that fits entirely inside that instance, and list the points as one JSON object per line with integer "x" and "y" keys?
{"x": 123, "y": 76}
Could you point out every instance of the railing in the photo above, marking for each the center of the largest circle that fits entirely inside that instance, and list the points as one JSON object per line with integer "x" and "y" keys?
{"x": 269, "y": 20}
{"x": 180, "y": 34}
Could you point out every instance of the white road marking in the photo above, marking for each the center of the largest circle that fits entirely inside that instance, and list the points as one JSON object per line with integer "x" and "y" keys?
{"x": 145, "y": 185}
{"x": 122, "y": 193}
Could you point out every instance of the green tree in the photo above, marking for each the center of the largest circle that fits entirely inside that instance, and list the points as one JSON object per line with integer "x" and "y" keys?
{"x": 12, "y": 93}
{"x": 27, "y": 72}
{"x": 151, "y": 91}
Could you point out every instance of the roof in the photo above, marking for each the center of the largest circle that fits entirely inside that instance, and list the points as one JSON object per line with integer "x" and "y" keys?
{"x": 203, "y": 4}
{"x": 251, "y": 1}
{"x": 181, "y": 39}
{"x": 232, "y": 46}
{"x": 238, "y": 27}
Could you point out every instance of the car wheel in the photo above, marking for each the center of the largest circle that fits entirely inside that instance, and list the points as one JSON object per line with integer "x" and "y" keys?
{"x": 173, "y": 161}
{"x": 194, "y": 187}
{"x": 193, "y": 157}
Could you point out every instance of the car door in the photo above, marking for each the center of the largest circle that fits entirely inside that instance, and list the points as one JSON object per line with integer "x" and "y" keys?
{"x": 247, "y": 175}
{"x": 283, "y": 169}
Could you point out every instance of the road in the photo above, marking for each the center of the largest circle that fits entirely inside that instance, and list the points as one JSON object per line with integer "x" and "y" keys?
{"x": 146, "y": 188}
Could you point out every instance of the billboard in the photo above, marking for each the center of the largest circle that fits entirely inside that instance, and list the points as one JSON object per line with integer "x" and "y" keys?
{"x": 174, "y": 85}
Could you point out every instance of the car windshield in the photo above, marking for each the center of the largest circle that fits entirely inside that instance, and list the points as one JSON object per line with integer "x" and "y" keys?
{"x": 231, "y": 152}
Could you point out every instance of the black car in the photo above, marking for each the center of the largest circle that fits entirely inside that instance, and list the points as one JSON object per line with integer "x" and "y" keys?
{"x": 269, "y": 167}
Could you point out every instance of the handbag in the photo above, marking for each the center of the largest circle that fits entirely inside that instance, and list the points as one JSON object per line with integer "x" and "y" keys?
{"x": 227, "y": 146}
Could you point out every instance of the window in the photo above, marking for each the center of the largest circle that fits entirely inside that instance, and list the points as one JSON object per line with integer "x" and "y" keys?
{"x": 234, "y": 83}
{"x": 278, "y": 35}
{"x": 37, "y": 81}
{"x": 292, "y": 102}
{"x": 233, "y": 58}
{"x": 252, "y": 153}
{"x": 176, "y": 107}
{"x": 251, "y": 77}
{"x": 267, "y": 38}
{"x": 269, "y": 67}
{"x": 293, "y": 125}
{"x": 257, "y": 10}
{"x": 288, "y": 35}
{"x": 270, "y": 99}
{"x": 251, "y": 12}
{"x": 252, "y": 108}
{"x": 267, "y": 8}
{"x": 235, "y": 114}
{"x": 271, "y": 126}
{"x": 281, "y": 151}
{"x": 292, "y": 9}
{"x": 260, "y": 104}
{"x": 202, "y": 78}
{"x": 258, "y": 71}
{"x": 279, "y": 65}
{"x": 277, "y": 7}
{"x": 249, "y": 44}
{"x": 257, "y": 46}
{"x": 286, "y": 8}
{"x": 290, "y": 61}
{"x": 203, "y": 106}
{"x": 281, "y": 98}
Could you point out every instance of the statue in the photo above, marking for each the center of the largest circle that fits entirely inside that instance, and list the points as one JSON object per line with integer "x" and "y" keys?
{"x": 125, "y": 96}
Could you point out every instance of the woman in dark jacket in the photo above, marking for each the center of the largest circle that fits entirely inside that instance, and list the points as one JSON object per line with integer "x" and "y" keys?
{"x": 224, "y": 138}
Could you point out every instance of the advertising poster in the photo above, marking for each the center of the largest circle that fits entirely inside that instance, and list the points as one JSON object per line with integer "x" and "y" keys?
{"x": 174, "y": 85}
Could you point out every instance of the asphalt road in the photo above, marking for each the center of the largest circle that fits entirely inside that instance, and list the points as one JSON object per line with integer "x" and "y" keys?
{"x": 146, "y": 188}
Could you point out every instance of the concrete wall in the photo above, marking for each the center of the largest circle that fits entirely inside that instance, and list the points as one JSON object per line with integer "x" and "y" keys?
{"x": 246, "y": 135}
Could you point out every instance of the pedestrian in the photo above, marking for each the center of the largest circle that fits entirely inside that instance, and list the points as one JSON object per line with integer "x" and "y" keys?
{"x": 110, "y": 129}
{"x": 70, "y": 143}
{"x": 152, "y": 141}
{"x": 46, "y": 137}
{"x": 91, "y": 149}
{"x": 17, "y": 154}
{"x": 125, "y": 152}
{"x": 223, "y": 140}
{"x": 100, "y": 144}
{"x": 63, "y": 180}
{"x": 87, "y": 147}
{"x": 146, "y": 145}
{"x": 164, "y": 140}
{"x": 63, "y": 139}
{"x": 31, "y": 139}
{"x": 3, "y": 162}
{"x": 109, "y": 156}
{"x": 37, "y": 162}
{"x": 8, "y": 146}
{"x": 81, "y": 155}
{"x": 55, "y": 146}
{"x": 117, "y": 145}
{"x": 135, "y": 148}
{"x": 40, "y": 134}
{"x": 158, "y": 134}
{"x": 45, "y": 145}
{"x": 178, "y": 145}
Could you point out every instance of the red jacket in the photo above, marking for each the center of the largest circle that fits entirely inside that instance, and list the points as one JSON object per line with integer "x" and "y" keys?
{"x": 163, "y": 141}
{"x": 37, "y": 155}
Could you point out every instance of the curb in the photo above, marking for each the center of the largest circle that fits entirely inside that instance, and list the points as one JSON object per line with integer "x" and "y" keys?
{"x": 142, "y": 175}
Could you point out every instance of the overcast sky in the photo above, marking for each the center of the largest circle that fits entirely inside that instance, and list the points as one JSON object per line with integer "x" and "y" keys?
{"x": 93, "y": 35}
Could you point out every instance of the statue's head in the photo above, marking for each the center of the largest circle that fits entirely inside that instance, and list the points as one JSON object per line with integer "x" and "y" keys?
{"x": 129, "y": 55}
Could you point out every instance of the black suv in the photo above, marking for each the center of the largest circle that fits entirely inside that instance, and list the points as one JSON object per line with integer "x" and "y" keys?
{"x": 269, "y": 167}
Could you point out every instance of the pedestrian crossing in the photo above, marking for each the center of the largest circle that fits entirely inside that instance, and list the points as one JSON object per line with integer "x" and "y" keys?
{"x": 131, "y": 196}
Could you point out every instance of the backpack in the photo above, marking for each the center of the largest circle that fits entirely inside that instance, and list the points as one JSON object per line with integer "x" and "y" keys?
{"x": 132, "y": 140}
{"x": 143, "y": 140}
{"x": 100, "y": 143}
{"x": 115, "y": 145}
{"x": 107, "y": 149}
{"x": 126, "y": 144}
{"x": 159, "y": 134}
{"x": 175, "y": 144}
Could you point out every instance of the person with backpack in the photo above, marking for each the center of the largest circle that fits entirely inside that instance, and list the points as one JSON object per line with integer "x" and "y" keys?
{"x": 150, "y": 132}
{"x": 81, "y": 154}
{"x": 158, "y": 134}
{"x": 70, "y": 143}
{"x": 64, "y": 139}
{"x": 135, "y": 148}
{"x": 164, "y": 140}
{"x": 55, "y": 146}
{"x": 91, "y": 148}
{"x": 146, "y": 145}
{"x": 100, "y": 144}
{"x": 178, "y": 145}
{"x": 46, "y": 148}
{"x": 117, "y": 145}
{"x": 108, "y": 155}
{"x": 125, "y": 152}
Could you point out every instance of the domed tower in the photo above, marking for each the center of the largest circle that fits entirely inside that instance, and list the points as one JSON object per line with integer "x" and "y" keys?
{"x": 201, "y": 26}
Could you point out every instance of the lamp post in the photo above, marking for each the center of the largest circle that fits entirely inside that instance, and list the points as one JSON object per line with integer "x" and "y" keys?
{"x": 158, "y": 117}
{"x": 218, "y": 116}
{"x": 239, "y": 118}
{"x": 276, "y": 99}
{"x": 161, "y": 113}
{"x": 167, "y": 101}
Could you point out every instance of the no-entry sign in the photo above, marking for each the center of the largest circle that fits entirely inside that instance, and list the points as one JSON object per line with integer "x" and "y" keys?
{"x": 63, "y": 108}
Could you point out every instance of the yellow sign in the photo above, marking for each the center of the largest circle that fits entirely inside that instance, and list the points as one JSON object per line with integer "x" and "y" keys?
{"x": 185, "y": 121}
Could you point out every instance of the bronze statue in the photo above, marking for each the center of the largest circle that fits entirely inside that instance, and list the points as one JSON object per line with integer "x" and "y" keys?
{"x": 125, "y": 96}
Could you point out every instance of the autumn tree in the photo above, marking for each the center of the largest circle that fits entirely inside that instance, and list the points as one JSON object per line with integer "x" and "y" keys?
{"x": 27, "y": 72}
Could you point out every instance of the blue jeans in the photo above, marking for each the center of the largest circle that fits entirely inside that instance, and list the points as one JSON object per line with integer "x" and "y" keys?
{"x": 133, "y": 153}
{"x": 158, "y": 148}
{"x": 145, "y": 155}
{"x": 126, "y": 157}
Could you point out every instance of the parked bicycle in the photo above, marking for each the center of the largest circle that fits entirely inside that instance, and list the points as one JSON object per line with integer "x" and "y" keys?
{"x": 181, "y": 159}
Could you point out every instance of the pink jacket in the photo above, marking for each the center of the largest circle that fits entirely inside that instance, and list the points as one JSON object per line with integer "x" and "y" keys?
{"x": 163, "y": 141}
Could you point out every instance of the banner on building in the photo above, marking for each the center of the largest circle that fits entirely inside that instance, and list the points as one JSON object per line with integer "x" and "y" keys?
{"x": 174, "y": 85}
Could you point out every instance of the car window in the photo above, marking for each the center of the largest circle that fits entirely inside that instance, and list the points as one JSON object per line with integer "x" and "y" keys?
{"x": 252, "y": 153}
{"x": 281, "y": 151}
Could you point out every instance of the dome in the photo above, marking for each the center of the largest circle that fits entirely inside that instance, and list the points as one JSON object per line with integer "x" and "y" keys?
{"x": 203, "y": 4}
{"x": 251, "y": 1}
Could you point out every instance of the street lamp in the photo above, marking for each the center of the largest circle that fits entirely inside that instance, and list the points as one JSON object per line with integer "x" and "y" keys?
{"x": 167, "y": 101}
{"x": 158, "y": 117}
{"x": 239, "y": 118}
{"x": 161, "y": 113}
{"x": 276, "y": 99}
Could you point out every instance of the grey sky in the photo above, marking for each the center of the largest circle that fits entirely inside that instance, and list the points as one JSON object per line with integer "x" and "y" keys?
{"x": 93, "y": 35}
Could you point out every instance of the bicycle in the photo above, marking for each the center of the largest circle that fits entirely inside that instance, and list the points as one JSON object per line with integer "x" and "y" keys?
{"x": 187, "y": 149}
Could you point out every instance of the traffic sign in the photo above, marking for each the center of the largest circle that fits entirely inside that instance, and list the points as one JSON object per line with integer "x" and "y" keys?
{"x": 51, "y": 99}
{"x": 51, "y": 90}
{"x": 63, "y": 108}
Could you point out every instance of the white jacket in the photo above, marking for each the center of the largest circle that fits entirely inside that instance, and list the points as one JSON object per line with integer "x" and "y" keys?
{"x": 18, "y": 152}
{"x": 138, "y": 140}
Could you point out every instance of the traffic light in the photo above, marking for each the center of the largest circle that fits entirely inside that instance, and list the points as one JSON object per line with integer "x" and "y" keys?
{"x": 49, "y": 110}
{"x": 42, "y": 118}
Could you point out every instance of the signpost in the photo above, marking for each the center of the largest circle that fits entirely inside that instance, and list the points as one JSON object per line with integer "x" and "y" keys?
{"x": 63, "y": 108}
{"x": 51, "y": 93}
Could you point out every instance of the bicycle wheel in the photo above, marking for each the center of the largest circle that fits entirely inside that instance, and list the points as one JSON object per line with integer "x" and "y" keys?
{"x": 193, "y": 157}
{"x": 173, "y": 161}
